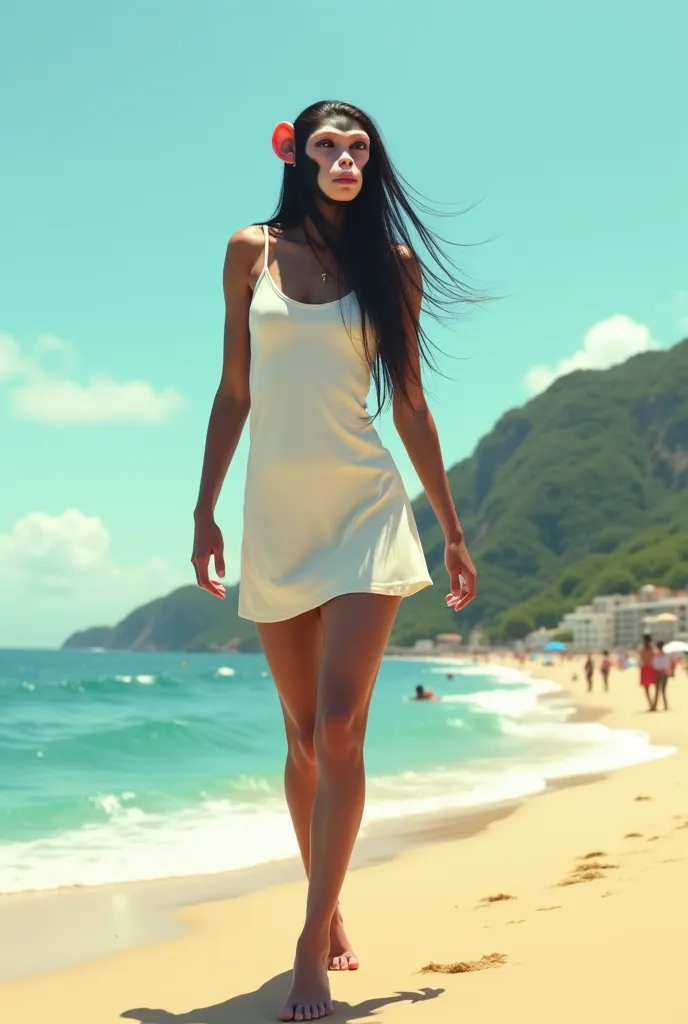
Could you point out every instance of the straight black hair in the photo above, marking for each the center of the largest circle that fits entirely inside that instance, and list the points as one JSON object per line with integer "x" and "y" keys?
{"x": 373, "y": 248}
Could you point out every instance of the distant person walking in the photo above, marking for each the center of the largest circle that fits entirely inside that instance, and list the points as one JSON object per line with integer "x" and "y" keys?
{"x": 605, "y": 666}
{"x": 589, "y": 671}
{"x": 648, "y": 673}
{"x": 662, "y": 666}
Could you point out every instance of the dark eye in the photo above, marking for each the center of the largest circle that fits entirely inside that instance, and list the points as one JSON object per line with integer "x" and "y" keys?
{"x": 325, "y": 142}
{"x": 360, "y": 145}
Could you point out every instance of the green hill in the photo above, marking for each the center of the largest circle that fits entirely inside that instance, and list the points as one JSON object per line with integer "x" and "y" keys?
{"x": 582, "y": 490}
{"x": 188, "y": 619}
{"x": 96, "y": 636}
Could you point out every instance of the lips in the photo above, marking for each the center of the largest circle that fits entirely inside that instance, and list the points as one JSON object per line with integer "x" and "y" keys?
{"x": 347, "y": 178}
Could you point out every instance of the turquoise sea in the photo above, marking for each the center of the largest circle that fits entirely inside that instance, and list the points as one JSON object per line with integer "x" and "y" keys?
{"x": 117, "y": 765}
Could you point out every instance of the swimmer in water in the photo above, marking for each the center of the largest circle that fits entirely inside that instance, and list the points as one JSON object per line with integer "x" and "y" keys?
{"x": 423, "y": 694}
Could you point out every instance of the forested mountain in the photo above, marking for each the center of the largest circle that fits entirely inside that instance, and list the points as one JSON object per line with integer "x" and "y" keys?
{"x": 582, "y": 490}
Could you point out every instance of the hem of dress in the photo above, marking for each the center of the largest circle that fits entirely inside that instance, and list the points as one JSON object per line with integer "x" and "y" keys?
{"x": 390, "y": 589}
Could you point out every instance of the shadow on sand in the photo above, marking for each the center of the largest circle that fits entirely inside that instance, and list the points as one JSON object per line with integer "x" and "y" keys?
{"x": 262, "y": 1005}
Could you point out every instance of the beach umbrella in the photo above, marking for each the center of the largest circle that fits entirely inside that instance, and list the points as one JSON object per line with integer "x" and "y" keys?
{"x": 676, "y": 647}
{"x": 554, "y": 645}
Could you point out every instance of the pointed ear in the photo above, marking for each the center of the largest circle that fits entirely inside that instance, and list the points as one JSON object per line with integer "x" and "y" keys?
{"x": 284, "y": 142}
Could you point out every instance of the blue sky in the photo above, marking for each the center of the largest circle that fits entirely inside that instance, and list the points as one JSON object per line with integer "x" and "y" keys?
{"x": 136, "y": 139}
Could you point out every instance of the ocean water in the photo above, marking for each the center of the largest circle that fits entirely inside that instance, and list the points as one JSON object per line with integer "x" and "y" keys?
{"x": 118, "y": 765}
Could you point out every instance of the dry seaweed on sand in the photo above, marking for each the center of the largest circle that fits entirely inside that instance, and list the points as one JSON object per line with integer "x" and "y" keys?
{"x": 466, "y": 966}
{"x": 497, "y": 898}
{"x": 581, "y": 876}
{"x": 593, "y": 855}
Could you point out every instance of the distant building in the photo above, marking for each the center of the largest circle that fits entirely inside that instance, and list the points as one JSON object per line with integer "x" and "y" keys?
{"x": 662, "y": 627}
{"x": 423, "y": 646}
{"x": 640, "y": 616}
{"x": 616, "y": 620}
{"x": 447, "y": 642}
{"x": 592, "y": 628}
{"x": 536, "y": 640}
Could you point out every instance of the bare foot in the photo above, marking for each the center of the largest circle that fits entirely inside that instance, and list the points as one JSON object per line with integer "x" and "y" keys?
{"x": 309, "y": 995}
{"x": 341, "y": 956}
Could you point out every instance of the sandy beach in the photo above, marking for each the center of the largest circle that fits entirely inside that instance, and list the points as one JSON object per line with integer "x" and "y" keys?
{"x": 569, "y": 906}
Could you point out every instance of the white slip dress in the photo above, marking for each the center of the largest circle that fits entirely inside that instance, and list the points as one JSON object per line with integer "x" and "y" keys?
{"x": 325, "y": 509}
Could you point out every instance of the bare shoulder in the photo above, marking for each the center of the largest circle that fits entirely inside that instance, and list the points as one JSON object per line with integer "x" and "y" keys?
{"x": 243, "y": 249}
{"x": 246, "y": 243}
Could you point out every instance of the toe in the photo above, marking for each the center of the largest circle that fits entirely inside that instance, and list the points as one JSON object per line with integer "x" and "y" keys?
{"x": 286, "y": 1013}
{"x": 307, "y": 1015}
{"x": 352, "y": 962}
{"x": 329, "y": 1008}
{"x": 298, "y": 1013}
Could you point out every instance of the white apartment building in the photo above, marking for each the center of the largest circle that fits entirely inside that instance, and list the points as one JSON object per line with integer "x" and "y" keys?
{"x": 592, "y": 628}
{"x": 615, "y": 620}
{"x": 635, "y": 618}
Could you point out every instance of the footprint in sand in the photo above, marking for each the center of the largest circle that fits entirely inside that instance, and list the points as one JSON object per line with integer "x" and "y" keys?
{"x": 593, "y": 855}
{"x": 633, "y": 835}
{"x": 638, "y": 798}
{"x": 541, "y": 910}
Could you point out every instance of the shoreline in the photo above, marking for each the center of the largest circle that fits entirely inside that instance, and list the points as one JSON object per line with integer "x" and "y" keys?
{"x": 107, "y": 920}
{"x": 564, "y": 896}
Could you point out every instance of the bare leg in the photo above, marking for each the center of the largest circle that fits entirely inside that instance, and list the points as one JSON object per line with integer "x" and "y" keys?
{"x": 293, "y": 650}
{"x": 650, "y": 699}
{"x": 356, "y": 629}
{"x": 662, "y": 692}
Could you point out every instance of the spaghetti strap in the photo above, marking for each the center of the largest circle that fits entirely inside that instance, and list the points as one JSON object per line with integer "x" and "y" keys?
{"x": 266, "y": 251}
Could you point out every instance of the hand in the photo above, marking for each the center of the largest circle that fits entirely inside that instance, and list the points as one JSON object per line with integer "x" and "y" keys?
{"x": 208, "y": 541}
{"x": 462, "y": 575}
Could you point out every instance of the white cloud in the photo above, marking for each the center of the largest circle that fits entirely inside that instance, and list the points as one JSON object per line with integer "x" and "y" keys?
{"x": 101, "y": 401}
{"x": 57, "y": 575}
{"x": 606, "y": 344}
{"x": 39, "y": 391}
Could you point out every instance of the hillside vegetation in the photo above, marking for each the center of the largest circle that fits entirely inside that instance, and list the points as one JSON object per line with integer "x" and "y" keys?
{"x": 583, "y": 490}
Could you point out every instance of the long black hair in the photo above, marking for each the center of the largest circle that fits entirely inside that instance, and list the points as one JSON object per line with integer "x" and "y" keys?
{"x": 373, "y": 246}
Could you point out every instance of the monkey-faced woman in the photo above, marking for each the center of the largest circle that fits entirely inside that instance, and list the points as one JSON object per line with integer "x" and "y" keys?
{"x": 322, "y": 299}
